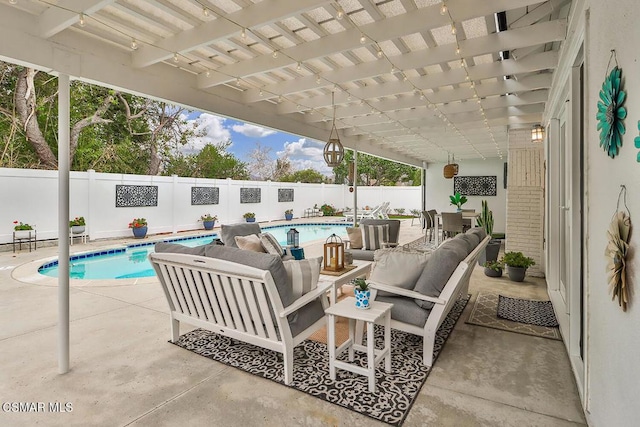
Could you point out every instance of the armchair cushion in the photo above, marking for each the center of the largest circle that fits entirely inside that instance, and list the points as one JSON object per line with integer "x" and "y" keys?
{"x": 373, "y": 236}
{"x": 229, "y": 232}
{"x": 405, "y": 310}
{"x": 271, "y": 244}
{"x": 479, "y": 231}
{"x": 180, "y": 249}
{"x": 398, "y": 267}
{"x": 250, "y": 242}
{"x": 263, "y": 261}
{"x": 469, "y": 240}
{"x": 303, "y": 275}
{"x": 355, "y": 237}
{"x": 441, "y": 265}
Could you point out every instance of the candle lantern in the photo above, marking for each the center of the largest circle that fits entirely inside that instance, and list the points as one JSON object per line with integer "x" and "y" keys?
{"x": 334, "y": 254}
{"x": 293, "y": 237}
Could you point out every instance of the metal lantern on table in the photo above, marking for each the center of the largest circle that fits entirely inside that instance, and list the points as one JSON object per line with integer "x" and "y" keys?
{"x": 334, "y": 254}
{"x": 293, "y": 237}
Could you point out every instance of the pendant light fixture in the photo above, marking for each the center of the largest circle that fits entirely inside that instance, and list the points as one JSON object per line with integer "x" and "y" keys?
{"x": 537, "y": 133}
{"x": 333, "y": 151}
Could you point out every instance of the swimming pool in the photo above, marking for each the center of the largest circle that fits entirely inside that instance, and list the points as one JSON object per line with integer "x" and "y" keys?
{"x": 132, "y": 261}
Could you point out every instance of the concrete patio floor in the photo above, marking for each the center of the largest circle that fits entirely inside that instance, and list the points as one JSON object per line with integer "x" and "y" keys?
{"x": 125, "y": 373}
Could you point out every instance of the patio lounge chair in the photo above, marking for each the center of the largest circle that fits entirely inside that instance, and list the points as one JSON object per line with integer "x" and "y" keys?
{"x": 241, "y": 294}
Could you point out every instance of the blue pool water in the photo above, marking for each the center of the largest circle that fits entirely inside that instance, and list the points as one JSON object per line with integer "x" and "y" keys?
{"x": 132, "y": 261}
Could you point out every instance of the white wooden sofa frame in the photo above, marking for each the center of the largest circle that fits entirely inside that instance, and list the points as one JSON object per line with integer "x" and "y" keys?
{"x": 233, "y": 300}
{"x": 456, "y": 286}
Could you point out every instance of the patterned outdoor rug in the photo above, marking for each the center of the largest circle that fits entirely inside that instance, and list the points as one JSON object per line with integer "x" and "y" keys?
{"x": 420, "y": 245}
{"x": 539, "y": 313}
{"x": 484, "y": 313}
{"x": 395, "y": 392}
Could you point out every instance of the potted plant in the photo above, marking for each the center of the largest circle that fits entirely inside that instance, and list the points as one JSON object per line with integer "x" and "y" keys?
{"x": 492, "y": 269}
{"x": 458, "y": 200}
{"x": 362, "y": 293}
{"x": 250, "y": 217}
{"x": 208, "y": 221}
{"x": 485, "y": 220}
{"x": 77, "y": 225}
{"x": 139, "y": 227}
{"x": 288, "y": 214}
{"x": 21, "y": 230}
{"x": 517, "y": 265}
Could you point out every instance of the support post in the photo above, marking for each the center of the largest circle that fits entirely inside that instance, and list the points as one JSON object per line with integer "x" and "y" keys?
{"x": 64, "y": 101}
{"x": 355, "y": 188}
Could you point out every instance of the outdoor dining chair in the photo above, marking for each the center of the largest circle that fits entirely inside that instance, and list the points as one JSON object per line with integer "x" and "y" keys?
{"x": 452, "y": 223}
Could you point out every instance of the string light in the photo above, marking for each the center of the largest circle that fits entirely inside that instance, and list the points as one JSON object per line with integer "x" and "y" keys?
{"x": 275, "y": 54}
{"x": 379, "y": 53}
{"x": 340, "y": 13}
{"x": 363, "y": 39}
{"x": 205, "y": 11}
{"x": 299, "y": 67}
{"x": 261, "y": 92}
{"x": 208, "y": 73}
{"x": 134, "y": 44}
{"x": 458, "y": 50}
{"x": 13, "y": 1}
{"x": 81, "y": 20}
{"x": 175, "y": 57}
{"x": 317, "y": 80}
{"x": 453, "y": 29}
{"x": 243, "y": 34}
{"x": 443, "y": 9}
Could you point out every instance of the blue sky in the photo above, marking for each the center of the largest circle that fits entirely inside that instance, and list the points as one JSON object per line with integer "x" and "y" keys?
{"x": 303, "y": 153}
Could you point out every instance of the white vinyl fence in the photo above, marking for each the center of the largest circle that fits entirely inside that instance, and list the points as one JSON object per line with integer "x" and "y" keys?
{"x": 31, "y": 196}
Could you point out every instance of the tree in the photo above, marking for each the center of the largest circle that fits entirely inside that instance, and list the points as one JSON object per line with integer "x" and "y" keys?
{"x": 376, "y": 171}
{"x": 261, "y": 165}
{"x": 305, "y": 175}
{"x": 283, "y": 168}
{"x": 215, "y": 162}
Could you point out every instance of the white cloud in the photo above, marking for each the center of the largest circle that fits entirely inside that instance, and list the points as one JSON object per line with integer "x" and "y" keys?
{"x": 211, "y": 130}
{"x": 305, "y": 154}
{"x": 252, "y": 130}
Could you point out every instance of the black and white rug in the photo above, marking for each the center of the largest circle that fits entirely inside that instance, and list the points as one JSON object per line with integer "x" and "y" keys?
{"x": 539, "y": 313}
{"x": 395, "y": 392}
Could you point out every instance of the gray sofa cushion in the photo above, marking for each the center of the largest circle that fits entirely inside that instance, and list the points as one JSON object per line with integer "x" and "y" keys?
{"x": 469, "y": 241}
{"x": 362, "y": 254}
{"x": 475, "y": 237}
{"x": 441, "y": 265}
{"x": 305, "y": 317}
{"x": 398, "y": 267}
{"x": 406, "y": 311}
{"x": 229, "y": 232}
{"x": 479, "y": 231}
{"x": 180, "y": 249}
{"x": 263, "y": 261}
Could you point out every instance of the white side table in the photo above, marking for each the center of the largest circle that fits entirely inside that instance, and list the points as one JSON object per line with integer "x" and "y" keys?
{"x": 378, "y": 311}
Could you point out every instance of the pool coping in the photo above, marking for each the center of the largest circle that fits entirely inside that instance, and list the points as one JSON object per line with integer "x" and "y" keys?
{"x": 29, "y": 272}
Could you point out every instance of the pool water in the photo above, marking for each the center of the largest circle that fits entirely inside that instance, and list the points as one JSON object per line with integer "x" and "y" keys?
{"x": 133, "y": 261}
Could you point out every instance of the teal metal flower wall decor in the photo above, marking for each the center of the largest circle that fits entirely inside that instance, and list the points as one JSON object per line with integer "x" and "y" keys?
{"x": 637, "y": 143}
{"x": 611, "y": 113}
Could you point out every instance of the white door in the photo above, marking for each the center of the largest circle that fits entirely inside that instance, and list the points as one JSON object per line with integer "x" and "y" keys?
{"x": 564, "y": 203}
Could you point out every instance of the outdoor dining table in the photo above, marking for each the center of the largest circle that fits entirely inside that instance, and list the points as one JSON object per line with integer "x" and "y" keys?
{"x": 471, "y": 216}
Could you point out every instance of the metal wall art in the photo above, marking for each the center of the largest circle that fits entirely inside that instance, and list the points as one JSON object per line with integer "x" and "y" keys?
{"x": 617, "y": 250}
{"x": 250, "y": 195}
{"x": 129, "y": 196}
{"x": 611, "y": 113}
{"x": 205, "y": 195}
{"x": 636, "y": 141}
{"x": 285, "y": 194}
{"x": 475, "y": 185}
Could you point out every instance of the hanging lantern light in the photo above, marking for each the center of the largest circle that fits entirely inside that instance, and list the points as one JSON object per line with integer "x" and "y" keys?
{"x": 333, "y": 151}
{"x": 450, "y": 169}
{"x": 334, "y": 254}
{"x": 293, "y": 237}
{"x": 537, "y": 133}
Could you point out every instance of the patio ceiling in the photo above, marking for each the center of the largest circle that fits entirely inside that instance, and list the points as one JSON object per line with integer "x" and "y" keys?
{"x": 406, "y": 87}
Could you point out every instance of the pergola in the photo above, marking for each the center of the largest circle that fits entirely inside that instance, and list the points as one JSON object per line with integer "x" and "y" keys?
{"x": 413, "y": 80}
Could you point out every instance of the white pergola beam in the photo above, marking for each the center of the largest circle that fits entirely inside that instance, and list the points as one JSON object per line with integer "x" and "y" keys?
{"x": 56, "y": 19}
{"x": 258, "y": 14}
{"x": 391, "y": 28}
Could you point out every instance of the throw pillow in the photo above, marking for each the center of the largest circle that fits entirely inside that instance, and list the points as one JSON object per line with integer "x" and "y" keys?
{"x": 355, "y": 237}
{"x": 303, "y": 275}
{"x": 373, "y": 236}
{"x": 398, "y": 267}
{"x": 249, "y": 243}
{"x": 437, "y": 272}
{"x": 271, "y": 244}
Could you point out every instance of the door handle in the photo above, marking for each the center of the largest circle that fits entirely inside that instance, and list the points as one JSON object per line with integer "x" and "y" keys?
{"x": 564, "y": 208}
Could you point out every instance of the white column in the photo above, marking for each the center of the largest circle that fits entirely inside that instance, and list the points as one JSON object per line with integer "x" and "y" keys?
{"x": 355, "y": 188}
{"x": 64, "y": 100}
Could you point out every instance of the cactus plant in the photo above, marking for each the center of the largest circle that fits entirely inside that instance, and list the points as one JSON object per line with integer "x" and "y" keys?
{"x": 485, "y": 220}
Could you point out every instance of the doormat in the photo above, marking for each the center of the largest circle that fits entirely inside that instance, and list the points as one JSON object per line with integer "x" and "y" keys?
{"x": 539, "y": 313}
{"x": 484, "y": 313}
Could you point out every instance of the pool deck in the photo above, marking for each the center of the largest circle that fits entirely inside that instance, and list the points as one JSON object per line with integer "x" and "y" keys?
{"x": 125, "y": 373}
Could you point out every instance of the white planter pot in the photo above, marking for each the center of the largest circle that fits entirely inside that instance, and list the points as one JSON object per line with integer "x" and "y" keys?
{"x": 24, "y": 234}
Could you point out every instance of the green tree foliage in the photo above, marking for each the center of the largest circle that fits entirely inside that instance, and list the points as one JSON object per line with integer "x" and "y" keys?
{"x": 214, "y": 161}
{"x": 376, "y": 171}
{"x": 304, "y": 175}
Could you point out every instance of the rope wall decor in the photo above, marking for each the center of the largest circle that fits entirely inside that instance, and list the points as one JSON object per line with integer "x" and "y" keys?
{"x": 617, "y": 250}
